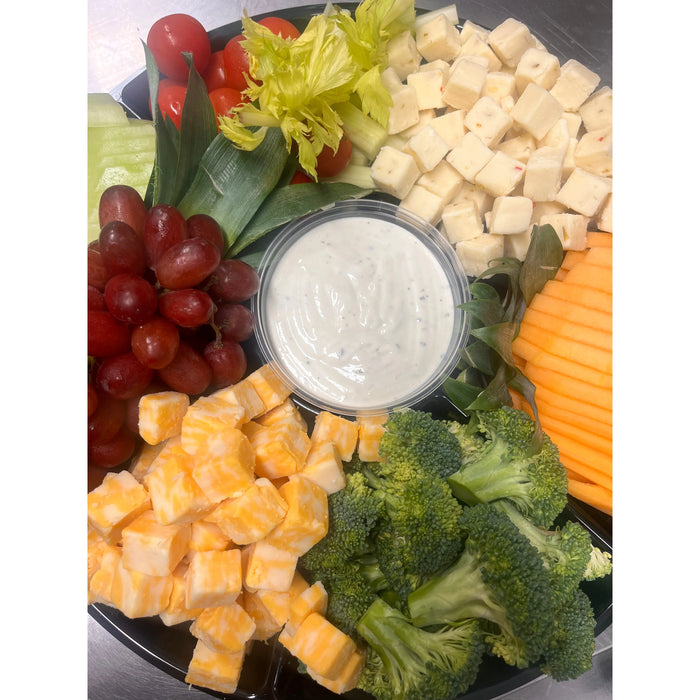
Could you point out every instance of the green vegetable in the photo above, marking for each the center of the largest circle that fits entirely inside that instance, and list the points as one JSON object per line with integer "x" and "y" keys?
{"x": 365, "y": 133}
{"x": 499, "y": 579}
{"x": 405, "y": 662}
{"x": 505, "y": 457}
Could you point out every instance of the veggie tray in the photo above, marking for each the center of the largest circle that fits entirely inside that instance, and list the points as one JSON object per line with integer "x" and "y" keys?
{"x": 269, "y": 671}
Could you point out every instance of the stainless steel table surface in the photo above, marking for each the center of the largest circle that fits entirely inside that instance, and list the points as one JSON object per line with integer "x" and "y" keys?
{"x": 580, "y": 29}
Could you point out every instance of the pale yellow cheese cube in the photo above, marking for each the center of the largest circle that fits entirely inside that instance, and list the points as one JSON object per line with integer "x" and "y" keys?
{"x": 469, "y": 29}
{"x": 404, "y": 111}
{"x": 394, "y": 171}
{"x": 482, "y": 199}
{"x": 604, "y": 218}
{"x": 542, "y": 209}
{"x": 268, "y": 567}
{"x": 438, "y": 64}
{"x": 450, "y": 126}
{"x": 402, "y": 54}
{"x": 572, "y": 229}
{"x": 536, "y": 111}
{"x": 210, "y": 669}
{"x": 391, "y": 79}
{"x": 206, "y": 536}
{"x": 516, "y": 245}
{"x": 153, "y": 548}
{"x": 509, "y": 41}
{"x": 427, "y": 147}
{"x": 347, "y": 678}
{"x": 269, "y": 386}
{"x": 597, "y": 111}
{"x": 574, "y": 85}
{"x": 225, "y": 629}
{"x": 428, "y": 86}
{"x": 462, "y": 221}
{"x": 243, "y": 394}
{"x": 536, "y": 66}
{"x": 558, "y": 136}
{"x": 475, "y": 254}
{"x": 543, "y": 176}
{"x": 593, "y": 152}
{"x": 160, "y": 415}
{"x": 438, "y": 39}
{"x": 139, "y": 595}
{"x": 177, "y": 611}
{"x": 500, "y": 175}
{"x": 464, "y": 83}
{"x": 306, "y": 520}
{"x": 425, "y": 117}
{"x": 314, "y": 599}
{"x": 488, "y": 121}
{"x": 252, "y": 515}
{"x": 113, "y": 504}
{"x": 144, "y": 459}
{"x": 469, "y": 156}
{"x": 476, "y": 45}
{"x": 510, "y": 215}
{"x": 206, "y": 416}
{"x": 324, "y": 467}
{"x": 443, "y": 180}
{"x": 519, "y": 147}
{"x": 584, "y": 192}
{"x": 370, "y": 431}
{"x": 175, "y": 495}
{"x": 213, "y": 578}
{"x": 498, "y": 85}
{"x": 423, "y": 203}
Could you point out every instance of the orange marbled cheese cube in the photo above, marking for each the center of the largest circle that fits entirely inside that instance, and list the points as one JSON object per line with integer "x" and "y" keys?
{"x": 342, "y": 432}
{"x": 286, "y": 411}
{"x": 100, "y": 583}
{"x": 324, "y": 467}
{"x": 210, "y": 669}
{"x": 140, "y": 595}
{"x": 268, "y": 567}
{"x": 206, "y": 536}
{"x": 314, "y": 599}
{"x": 347, "y": 678}
{"x": 225, "y": 628}
{"x": 207, "y": 416}
{"x": 213, "y": 578}
{"x": 160, "y": 415}
{"x": 370, "y": 431}
{"x": 177, "y": 610}
{"x": 280, "y": 448}
{"x": 145, "y": 458}
{"x": 243, "y": 394}
{"x": 269, "y": 386}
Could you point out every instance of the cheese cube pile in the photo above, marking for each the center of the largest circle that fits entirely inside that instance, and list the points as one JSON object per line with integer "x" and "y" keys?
{"x": 511, "y": 122}
{"x": 208, "y": 525}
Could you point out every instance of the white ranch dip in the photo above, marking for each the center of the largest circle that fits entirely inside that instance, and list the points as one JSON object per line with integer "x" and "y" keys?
{"x": 359, "y": 312}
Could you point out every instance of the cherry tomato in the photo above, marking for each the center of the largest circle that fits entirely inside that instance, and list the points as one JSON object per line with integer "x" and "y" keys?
{"x": 299, "y": 177}
{"x": 281, "y": 27}
{"x": 171, "y": 98}
{"x": 224, "y": 99}
{"x": 236, "y": 63}
{"x": 215, "y": 74}
{"x": 173, "y": 34}
{"x": 329, "y": 163}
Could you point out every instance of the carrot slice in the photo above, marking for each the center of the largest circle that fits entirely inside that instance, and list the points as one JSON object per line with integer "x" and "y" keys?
{"x": 591, "y": 276}
{"x": 604, "y": 415}
{"x": 572, "y": 257}
{"x": 563, "y": 415}
{"x": 599, "y": 238}
{"x": 595, "y": 495}
{"x": 583, "y": 472}
{"x": 578, "y": 294}
{"x": 567, "y": 386}
{"x": 570, "y": 434}
{"x": 573, "y": 312}
{"x": 599, "y": 255}
{"x": 567, "y": 329}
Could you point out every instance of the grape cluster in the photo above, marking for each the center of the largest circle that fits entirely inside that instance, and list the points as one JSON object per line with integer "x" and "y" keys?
{"x": 166, "y": 311}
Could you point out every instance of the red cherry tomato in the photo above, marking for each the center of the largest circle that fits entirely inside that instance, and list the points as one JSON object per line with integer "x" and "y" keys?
{"x": 224, "y": 99}
{"x": 173, "y": 34}
{"x": 236, "y": 63}
{"x": 281, "y": 27}
{"x": 171, "y": 98}
{"x": 329, "y": 163}
{"x": 215, "y": 74}
{"x": 299, "y": 177}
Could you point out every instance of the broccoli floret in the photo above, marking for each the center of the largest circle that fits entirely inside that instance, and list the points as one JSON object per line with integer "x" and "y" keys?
{"x": 570, "y": 651}
{"x": 599, "y": 565}
{"x": 415, "y": 437}
{"x": 504, "y": 455}
{"x": 501, "y": 580}
{"x": 405, "y": 662}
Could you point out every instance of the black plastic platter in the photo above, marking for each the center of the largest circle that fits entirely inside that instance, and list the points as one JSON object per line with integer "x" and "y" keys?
{"x": 269, "y": 673}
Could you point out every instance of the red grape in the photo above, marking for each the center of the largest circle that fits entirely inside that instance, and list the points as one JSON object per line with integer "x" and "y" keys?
{"x": 234, "y": 321}
{"x": 233, "y": 281}
{"x": 227, "y": 361}
{"x": 188, "y": 308}
{"x": 106, "y": 336}
{"x": 204, "y": 226}
{"x": 122, "y": 203}
{"x": 95, "y": 299}
{"x": 131, "y": 298}
{"x": 187, "y": 264}
{"x": 163, "y": 227}
{"x": 107, "y": 455}
{"x": 96, "y": 272}
{"x": 122, "y": 249}
{"x": 155, "y": 342}
{"x": 106, "y": 420}
{"x": 93, "y": 399}
{"x": 123, "y": 376}
{"x": 189, "y": 372}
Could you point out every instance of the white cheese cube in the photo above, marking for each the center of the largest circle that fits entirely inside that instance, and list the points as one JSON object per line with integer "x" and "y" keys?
{"x": 449, "y": 11}
{"x": 543, "y": 176}
{"x": 461, "y": 221}
{"x": 427, "y": 147}
{"x": 545, "y": 209}
{"x": 394, "y": 171}
{"x": 572, "y": 229}
{"x": 404, "y": 112}
{"x": 500, "y": 175}
{"x": 424, "y": 203}
{"x": 470, "y": 29}
{"x": 557, "y": 137}
{"x": 604, "y": 219}
{"x": 596, "y": 111}
{"x": 443, "y": 180}
{"x": 464, "y": 84}
{"x": 536, "y": 111}
{"x": 450, "y": 126}
{"x": 425, "y": 117}
{"x": 574, "y": 85}
{"x": 516, "y": 245}
{"x": 488, "y": 121}
{"x": 428, "y": 87}
{"x": 499, "y": 84}
{"x": 584, "y": 192}
{"x": 391, "y": 79}
{"x": 538, "y": 67}
{"x": 519, "y": 147}
{"x": 569, "y": 163}
{"x": 469, "y": 156}
{"x": 402, "y": 54}
{"x": 476, "y": 254}
{"x": 573, "y": 119}
{"x": 439, "y": 64}
{"x": 469, "y": 191}
{"x": 509, "y": 40}
{"x": 507, "y": 102}
{"x": 510, "y": 215}
{"x": 594, "y": 152}
{"x": 438, "y": 39}
{"x": 476, "y": 46}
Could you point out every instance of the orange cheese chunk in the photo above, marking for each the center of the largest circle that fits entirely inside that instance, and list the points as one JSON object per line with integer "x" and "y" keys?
{"x": 280, "y": 448}
{"x": 225, "y": 628}
{"x": 140, "y": 595}
{"x": 205, "y": 417}
{"x": 144, "y": 459}
{"x": 347, "y": 678}
{"x": 370, "y": 431}
{"x": 306, "y": 520}
{"x": 267, "y": 567}
{"x": 177, "y": 610}
{"x": 314, "y": 599}
{"x": 271, "y": 389}
{"x": 286, "y": 411}
{"x": 213, "y": 578}
{"x": 243, "y": 394}
{"x": 251, "y": 516}
{"x": 152, "y": 548}
{"x": 100, "y": 582}
{"x": 115, "y": 503}
{"x": 266, "y": 624}
{"x": 324, "y": 467}
{"x": 175, "y": 495}
{"x": 160, "y": 415}
{"x": 206, "y": 536}
{"x": 340, "y": 431}
{"x": 210, "y": 669}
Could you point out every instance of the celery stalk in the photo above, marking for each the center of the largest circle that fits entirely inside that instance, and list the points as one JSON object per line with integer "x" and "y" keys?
{"x": 366, "y": 134}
